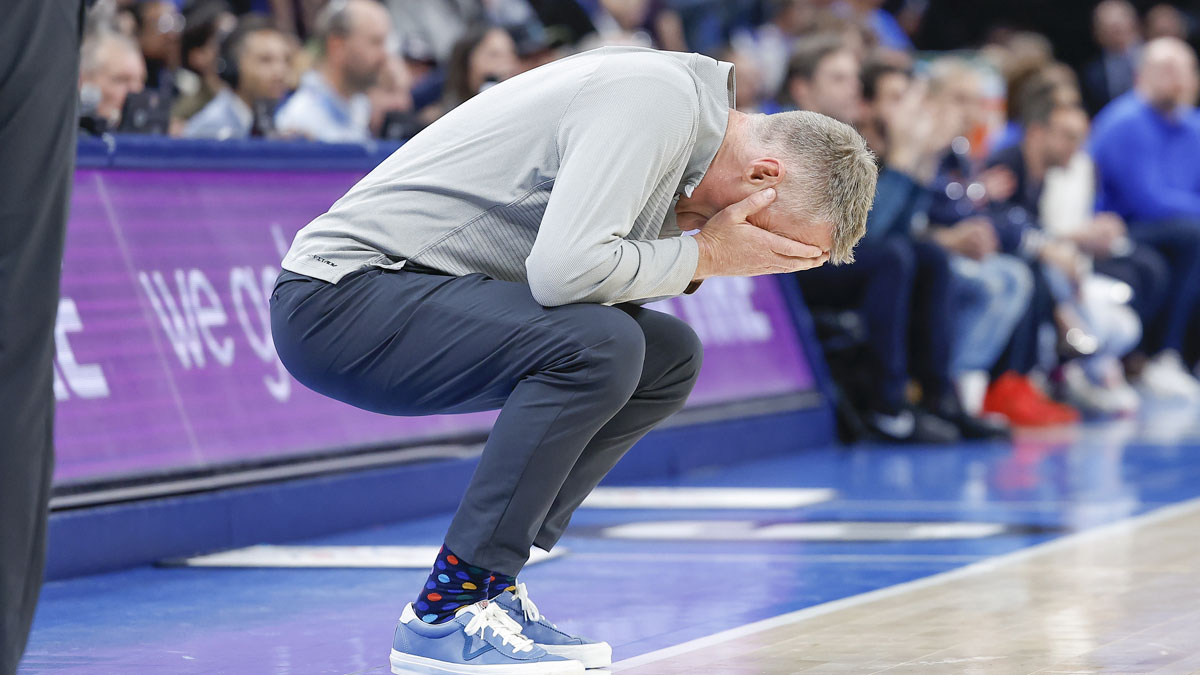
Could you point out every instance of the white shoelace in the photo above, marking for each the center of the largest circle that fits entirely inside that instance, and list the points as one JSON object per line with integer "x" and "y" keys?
{"x": 509, "y": 631}
{"x": 527, "y": 606}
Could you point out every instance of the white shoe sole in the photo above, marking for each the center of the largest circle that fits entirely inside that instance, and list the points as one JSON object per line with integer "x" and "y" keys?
{"x": 594, "y": 655}
{"x": 410, "y": 664}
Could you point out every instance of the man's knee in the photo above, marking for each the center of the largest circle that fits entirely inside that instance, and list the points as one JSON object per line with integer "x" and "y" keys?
{"x": 607, "y": 343}
{"x": 677, "y": 354}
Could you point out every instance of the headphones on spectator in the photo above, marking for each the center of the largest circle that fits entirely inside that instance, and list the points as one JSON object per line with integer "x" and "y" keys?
{"x": 227, "y": 58}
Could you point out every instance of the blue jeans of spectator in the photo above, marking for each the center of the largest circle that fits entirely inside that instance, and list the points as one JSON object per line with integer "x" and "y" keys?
{"x": 993, "y": 295}
{"x": 576, "y": 385}
{"x": 879, "y": 286}
{"x": 1179, "y": 243}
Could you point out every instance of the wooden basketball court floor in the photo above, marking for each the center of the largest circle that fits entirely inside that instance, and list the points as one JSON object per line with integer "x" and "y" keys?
{"x": 1123, "y": 598}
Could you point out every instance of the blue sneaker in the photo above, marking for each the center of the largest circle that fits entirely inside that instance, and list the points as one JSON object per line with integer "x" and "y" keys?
{"x": 480, "y": 639}
{"x": 548, "y": 636}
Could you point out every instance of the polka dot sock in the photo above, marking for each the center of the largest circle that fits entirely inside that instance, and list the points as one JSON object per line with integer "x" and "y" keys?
{"x": 501, "y": 583}
{"x": 452, "y": 584}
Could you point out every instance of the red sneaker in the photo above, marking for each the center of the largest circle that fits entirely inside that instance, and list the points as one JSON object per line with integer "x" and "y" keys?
{"x": 1015, "y": 397}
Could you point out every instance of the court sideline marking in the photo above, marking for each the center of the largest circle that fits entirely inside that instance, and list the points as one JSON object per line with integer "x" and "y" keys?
{"x": 983, "y": 566}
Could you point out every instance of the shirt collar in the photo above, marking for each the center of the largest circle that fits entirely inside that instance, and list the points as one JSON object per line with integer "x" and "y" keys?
{"x": 241, "y": 111}
{"x": 716, "y": 85}
{"x": 337, "y": 105}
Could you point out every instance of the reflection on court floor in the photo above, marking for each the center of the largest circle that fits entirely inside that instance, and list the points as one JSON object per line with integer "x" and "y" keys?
{"x": 658, "y": 572}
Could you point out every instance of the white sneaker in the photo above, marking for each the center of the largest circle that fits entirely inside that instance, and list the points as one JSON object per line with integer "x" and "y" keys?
{"x": 1084, "y": 393}
{"x": 1165, "y": 377}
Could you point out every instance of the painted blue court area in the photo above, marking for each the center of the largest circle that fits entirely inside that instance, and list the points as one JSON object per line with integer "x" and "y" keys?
{"x": 646, "y": 579}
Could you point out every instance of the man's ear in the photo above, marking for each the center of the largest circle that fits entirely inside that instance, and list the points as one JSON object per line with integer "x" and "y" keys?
{"x": 764, "y": 172}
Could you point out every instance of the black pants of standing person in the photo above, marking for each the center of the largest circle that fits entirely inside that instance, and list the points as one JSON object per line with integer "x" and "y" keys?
{"x": 39, "y": 72}
{"x": 576, "y": 385}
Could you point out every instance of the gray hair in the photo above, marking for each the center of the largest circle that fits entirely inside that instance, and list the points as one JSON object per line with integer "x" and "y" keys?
{"x": 333, "y": 20}
{"x": 91, "y": 52}
{"x": 830, "y": 174}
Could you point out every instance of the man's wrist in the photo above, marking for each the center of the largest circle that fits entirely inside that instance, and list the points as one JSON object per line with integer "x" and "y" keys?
{"x": 704, "y": 258}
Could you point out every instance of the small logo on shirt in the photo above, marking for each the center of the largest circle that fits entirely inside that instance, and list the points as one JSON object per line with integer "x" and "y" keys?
{"x": 327, "y": 262}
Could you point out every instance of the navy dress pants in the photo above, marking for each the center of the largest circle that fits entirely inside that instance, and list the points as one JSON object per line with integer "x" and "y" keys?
{"x": 576, "y": 385}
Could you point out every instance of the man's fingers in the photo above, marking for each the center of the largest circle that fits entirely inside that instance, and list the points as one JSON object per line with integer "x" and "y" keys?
{"x": 791, "y": 248}
{"x": 801, "y": 264}
{"x": 751, "y": 205}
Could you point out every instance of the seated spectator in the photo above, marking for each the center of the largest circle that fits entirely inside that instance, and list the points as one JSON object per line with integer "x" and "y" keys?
{"x": 911, "y": 130}
{"x": 110, "y": 68}
{"x": 992, "y": 290}
{"x": 254, "y": 66}
{"x": 483, "y": 57}
{"x": 159, "y": 25}
{"x": 1104, "y": 328}
{"x": 207, "y": 24}
{"x": 331, "y": 104}
{"x": 1146, "y": 145}
{"x": 1116, "y": 29}
{"x": 824, "y": 78}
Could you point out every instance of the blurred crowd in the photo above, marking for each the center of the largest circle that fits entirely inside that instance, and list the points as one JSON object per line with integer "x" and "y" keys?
{"x": 1033, "y": 254}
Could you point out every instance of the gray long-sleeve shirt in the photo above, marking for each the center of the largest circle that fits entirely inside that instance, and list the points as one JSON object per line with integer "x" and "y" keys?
{"x": 563, "y": 177}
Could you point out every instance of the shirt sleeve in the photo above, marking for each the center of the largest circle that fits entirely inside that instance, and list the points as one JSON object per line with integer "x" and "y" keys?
{"x": 1128, "y": 169}
{"x": 618, "y": 141}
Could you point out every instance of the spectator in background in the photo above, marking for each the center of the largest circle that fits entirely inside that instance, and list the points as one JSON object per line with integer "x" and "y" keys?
{"x": 206, "y": 25}
{"x": 484, "y": 56}
{"x": 823, "y": 76}
{"x": 993, "y": 289}
{"x": 159, "y": 25}
{"x": 331, "y": 104}
{"x": 1146, "y": 145}
{"x": 1117, "y": 32}
{"x": 254, "y": 66}
{"x": 773, "y": 42}
{"x": 1077, "y": 299}
{"x": 111, "y": 68}
{"x": 1166, "y": 20}
{"x": 911, "y": 131}
{"x": 1020, "y": 57}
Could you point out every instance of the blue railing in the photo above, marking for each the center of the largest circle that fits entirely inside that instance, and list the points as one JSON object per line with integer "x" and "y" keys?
{"x": 128, "y": 151}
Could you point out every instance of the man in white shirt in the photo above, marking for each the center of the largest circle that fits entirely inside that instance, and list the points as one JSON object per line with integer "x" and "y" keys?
{"x": 331, "y": 104}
